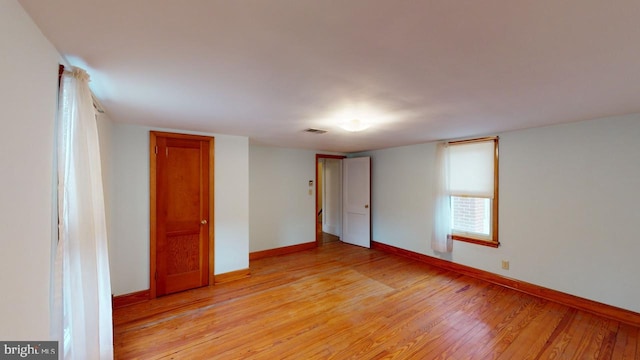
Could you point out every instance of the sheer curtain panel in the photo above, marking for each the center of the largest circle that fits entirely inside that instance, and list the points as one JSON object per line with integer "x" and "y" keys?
{"x": 82, "y": 291}
{"x": 441, "y": 238}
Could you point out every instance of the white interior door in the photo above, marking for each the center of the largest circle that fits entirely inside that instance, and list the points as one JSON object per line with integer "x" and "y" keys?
{"x": 356, "y": 224}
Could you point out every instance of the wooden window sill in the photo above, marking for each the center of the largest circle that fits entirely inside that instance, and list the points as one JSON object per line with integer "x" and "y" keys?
{"x": 488, "y": 243}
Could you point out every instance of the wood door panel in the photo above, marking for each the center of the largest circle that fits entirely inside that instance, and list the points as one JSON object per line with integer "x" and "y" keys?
{"x": 183, "y": 184}
{"x": 183, "y": 252}
{"x": 181, "y": 201}
{"x": 183, "y": 281}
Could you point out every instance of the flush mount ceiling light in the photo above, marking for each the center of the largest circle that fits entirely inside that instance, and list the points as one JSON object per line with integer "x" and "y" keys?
{"x": 354, "y": 125}
{"x": 355, "y": 117}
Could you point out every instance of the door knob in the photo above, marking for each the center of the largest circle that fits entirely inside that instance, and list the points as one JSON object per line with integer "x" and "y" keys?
{"x": 203, "y": 222}
{"x": 366, "y": 206}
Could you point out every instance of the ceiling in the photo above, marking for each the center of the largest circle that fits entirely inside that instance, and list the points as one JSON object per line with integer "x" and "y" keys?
{"x": 417, "y": 71}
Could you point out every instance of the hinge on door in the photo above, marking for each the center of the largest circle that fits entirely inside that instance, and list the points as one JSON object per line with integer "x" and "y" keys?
{"x": 156, "y": 150}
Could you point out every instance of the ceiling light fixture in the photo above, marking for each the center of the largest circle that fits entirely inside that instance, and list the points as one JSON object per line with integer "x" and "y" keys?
{"x": 355, "y": 125}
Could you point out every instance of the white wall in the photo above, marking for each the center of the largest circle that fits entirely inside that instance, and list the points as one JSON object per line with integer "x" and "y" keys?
{"x": 28, "y": 93}
{"x": 401, "y": 190}
{"x": 569, "y": 200}
{"x": 231, "y": 203}
{"x": 105, "y": 138}
{"x": 129, "y": 209}
{"x": 282, "y": 212}
{"x": 129, "y": 242}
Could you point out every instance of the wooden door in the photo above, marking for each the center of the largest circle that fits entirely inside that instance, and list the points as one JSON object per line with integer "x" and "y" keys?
{"x": 356, "y": 185}
{"x": 181, "y": 204}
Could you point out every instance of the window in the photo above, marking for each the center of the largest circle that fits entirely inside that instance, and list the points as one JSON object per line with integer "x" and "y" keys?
{"x": 473, "y": 189}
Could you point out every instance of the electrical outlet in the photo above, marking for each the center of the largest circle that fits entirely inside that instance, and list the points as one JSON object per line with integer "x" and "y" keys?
{"x": 505, "y": 264}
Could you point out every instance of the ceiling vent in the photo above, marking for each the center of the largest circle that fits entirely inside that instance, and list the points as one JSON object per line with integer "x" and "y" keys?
{"x": 315, "y": 131}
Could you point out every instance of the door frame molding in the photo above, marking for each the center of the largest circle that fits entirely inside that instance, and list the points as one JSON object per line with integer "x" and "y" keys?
{"x": 153, "y": 135}
{"x": 315, "y": 218}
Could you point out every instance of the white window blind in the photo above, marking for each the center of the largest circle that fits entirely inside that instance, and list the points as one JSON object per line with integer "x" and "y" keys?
{"x": 472, "y": 169}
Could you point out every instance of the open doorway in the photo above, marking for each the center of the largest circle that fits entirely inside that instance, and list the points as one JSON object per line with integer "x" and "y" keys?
{"x": 328, "y": 198}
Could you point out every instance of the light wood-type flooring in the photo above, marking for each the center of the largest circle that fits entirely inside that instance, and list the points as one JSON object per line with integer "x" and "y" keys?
{"x": 344, "y": 302}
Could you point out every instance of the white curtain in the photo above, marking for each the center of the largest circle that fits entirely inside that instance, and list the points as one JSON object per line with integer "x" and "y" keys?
{"x": 441, "y": 237}
{"x": 82, "y": 291}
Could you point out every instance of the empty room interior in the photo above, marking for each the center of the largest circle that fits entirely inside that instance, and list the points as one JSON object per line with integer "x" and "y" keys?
{"x": 321, "y": 180}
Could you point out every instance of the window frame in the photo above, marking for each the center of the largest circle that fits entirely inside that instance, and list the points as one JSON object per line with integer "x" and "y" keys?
{"x": 492, "y": 240}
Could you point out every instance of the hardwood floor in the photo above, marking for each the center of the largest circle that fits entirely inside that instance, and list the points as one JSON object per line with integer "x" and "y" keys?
{"x": 327, "y": 238}
{"x": 345, "y": 302}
